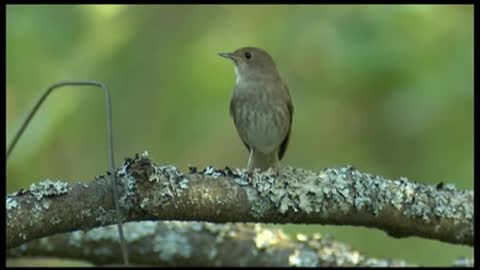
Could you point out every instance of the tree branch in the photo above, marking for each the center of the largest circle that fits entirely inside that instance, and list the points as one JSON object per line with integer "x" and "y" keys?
{"x": 199, "y": 244}
{"x": 342, "y": 196}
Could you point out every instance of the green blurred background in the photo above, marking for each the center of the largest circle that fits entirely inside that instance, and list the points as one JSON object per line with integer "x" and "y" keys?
{"x": 387, "y": 89}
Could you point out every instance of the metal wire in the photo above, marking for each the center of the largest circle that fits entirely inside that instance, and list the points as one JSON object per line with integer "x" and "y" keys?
{"x": 109, "y": 138}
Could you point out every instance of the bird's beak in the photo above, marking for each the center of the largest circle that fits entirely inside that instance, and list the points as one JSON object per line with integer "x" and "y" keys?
{"x": 227, "y": 55}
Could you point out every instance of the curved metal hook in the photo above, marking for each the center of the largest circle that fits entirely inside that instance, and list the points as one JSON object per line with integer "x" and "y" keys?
{"x": 110, "y": 143}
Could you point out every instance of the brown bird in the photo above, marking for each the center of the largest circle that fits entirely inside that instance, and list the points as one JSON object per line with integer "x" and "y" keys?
{"x": 261, "y": 107}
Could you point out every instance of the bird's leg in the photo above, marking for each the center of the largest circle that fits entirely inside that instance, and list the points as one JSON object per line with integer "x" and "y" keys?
{"x": 250, "y": 161}
{"x": 250, "y": 166}
{"x": 276, "y": 165}
{"x": 276, "y": 171}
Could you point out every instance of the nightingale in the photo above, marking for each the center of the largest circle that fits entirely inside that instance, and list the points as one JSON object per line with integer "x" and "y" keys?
{"x": 261, "y": 107}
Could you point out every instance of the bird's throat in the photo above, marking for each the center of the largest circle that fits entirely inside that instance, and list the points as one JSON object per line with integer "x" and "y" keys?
{"x": 237, "y": 75}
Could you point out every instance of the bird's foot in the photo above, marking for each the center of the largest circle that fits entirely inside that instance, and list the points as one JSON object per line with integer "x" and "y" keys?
{"x": 249, "y": 175}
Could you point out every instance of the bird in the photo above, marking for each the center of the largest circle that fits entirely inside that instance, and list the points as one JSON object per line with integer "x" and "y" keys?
{"x": 261, "y": 107}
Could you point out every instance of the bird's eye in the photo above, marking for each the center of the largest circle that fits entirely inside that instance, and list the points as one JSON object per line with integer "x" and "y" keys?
{"x": 248, "y": 55}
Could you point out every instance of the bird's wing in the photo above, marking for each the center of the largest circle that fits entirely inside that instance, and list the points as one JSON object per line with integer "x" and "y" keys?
{"x": 236, "y": 101}
{"x": 284, "y": 145}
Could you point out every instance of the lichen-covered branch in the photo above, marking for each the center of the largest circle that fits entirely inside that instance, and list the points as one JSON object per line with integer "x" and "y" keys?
{"x": 199, "y": 244}
{"x": 341, "y": 196}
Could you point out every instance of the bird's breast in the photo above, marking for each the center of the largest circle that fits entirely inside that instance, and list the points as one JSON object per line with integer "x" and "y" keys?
{"x": 261, "y": 120}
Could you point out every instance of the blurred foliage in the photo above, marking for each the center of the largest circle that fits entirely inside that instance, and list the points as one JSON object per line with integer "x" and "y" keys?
{"x": 387, "y": 89}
